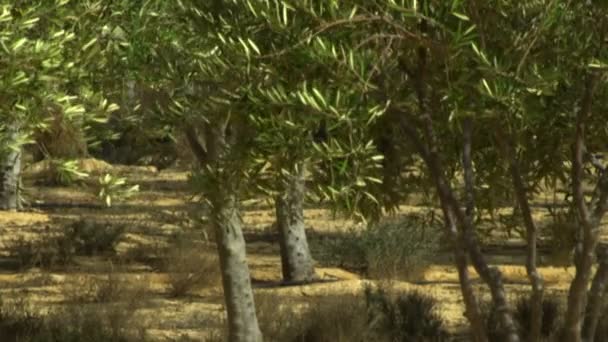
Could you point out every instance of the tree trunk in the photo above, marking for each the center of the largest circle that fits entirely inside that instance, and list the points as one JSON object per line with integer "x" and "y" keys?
{"x": 596, "y": 297}
{"x": 227, "y": 225}
{"x": 472, "y": 310}
{"x": 536, "y": 279}
{"x": 490, "y": 275}
{"x": 589, "y": 220}
{"x": 10, "y": 171}
{"x": 296, "y": 261}
{"x": 238, "y": 295}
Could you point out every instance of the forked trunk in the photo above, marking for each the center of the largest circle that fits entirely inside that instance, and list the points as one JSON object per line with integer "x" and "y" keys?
{"x": 490, "y": 275}
{"x": 296, "y": 260}
{"x": 590, "y": 218}
{"x": 472, "y": 310}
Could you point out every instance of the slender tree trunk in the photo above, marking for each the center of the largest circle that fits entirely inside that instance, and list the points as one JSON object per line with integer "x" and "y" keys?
{"x": 296, "y": 260}
{"x": 227, "y": 225}
{"x": 596, "y": 297}
{"x": 536, "y": 279}
{"x": 472, "y": 310}
{"x": 490, "y": 275}
{"x": 477, "y": 325}
{"x": 430, "y": 153}
{"x": 10, "y": 172}
{"x": 589, "y": 219}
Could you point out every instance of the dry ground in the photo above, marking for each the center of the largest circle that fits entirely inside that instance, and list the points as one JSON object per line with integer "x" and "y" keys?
{"x": 159, "y": 211}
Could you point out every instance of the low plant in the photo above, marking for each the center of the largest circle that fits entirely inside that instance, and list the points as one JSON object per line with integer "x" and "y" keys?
{"x": 91, "y": 238}
{"x": 551, "y": 308}
{"x": 561, "y": 235}
{"x": 112, "y": 189}
{"x": 375, "y": 316}
{"x": 111, "y": 286}
{"x": 399, "y": 247}
{"x": 338, "y": 318}
{"x": 405, "y": 317}
{"x": 18, "y": 321}
{"x": 188, "y": 266}
{"x": 56, "y": 249}
{"x": 47, "y": 252}
{"x": 91, "y": 323}
{"x": 65, "y": 172}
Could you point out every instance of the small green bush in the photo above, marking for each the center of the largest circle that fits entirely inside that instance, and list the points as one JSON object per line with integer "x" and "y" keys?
{"x": 394, "y": 248}
{"x": 92, "y": 238}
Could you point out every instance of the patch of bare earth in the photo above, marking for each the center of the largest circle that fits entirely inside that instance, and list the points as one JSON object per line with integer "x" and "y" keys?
{"x": 159, "y": 212}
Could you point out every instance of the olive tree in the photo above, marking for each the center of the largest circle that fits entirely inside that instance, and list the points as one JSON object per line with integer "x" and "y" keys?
{"x": 459, "y": 75}
{"x": 47, "y": 51}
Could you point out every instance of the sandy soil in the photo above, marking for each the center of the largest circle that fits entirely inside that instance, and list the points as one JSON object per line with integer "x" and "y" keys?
{"x": 162, "y": 209}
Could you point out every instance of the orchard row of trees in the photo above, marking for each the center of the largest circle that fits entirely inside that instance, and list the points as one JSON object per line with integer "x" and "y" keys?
{"x": 490, "y": 100}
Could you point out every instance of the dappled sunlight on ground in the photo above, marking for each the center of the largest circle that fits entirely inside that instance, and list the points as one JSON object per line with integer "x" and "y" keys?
{"x": 160, "y": 211}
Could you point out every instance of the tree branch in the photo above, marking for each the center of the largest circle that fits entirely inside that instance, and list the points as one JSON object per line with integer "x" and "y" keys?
{"x": 507, "y": 144}
{"x": 467, "y": 163}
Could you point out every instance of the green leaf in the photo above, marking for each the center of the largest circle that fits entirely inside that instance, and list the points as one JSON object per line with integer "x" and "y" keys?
{"x": 461, "y": 16}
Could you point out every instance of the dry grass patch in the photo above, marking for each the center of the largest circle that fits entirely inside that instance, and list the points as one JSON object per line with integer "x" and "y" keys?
{"x": 375, "y": 315}
{"x": 91, "y": 323}
{"x": 190, "y": 265}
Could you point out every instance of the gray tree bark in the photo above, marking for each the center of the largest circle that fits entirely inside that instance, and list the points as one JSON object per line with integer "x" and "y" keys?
{"x": 227, "y": 225}
{"x": 238, "y": 295}
{"x": 10, "y": 172}
{"x": 296, "y": 260}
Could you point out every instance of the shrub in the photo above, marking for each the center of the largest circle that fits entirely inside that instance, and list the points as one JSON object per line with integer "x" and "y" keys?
{"x": 112, "y": 189}
{"x": 74, "y": 324}
{"x": 550, "y": 322}
{"x": 65, "y": 172}
{"x": 339, "y": 318}
{"x": 188, "y": 266}
{"x": 376, "y": 316}
{"x": 110, "y": 323}
{"x": 112, "y": 286}
{"x": 551, "y": 316}
{"x": 91, "y": 238}
{"x": 560, "y": 231}
{"x": 17, "y": 321}
{"x": 52, "y": 249}
{"x": 48, "y": 252}
{"x": 399, "y": 247}
{"x": 89, "y": 289}
{"x": 407, "y": 317}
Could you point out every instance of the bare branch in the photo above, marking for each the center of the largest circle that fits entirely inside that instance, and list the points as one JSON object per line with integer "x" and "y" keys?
{"x": 467, "y": 163}
{"x": 507, "y": 144}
